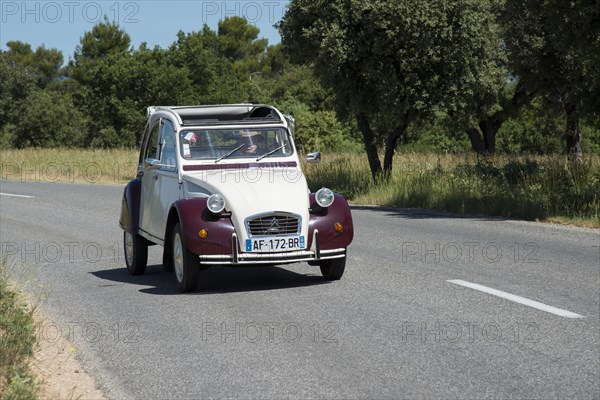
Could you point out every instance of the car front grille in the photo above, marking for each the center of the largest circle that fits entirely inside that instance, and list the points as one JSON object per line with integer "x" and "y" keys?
{"x": 274, "y": 224}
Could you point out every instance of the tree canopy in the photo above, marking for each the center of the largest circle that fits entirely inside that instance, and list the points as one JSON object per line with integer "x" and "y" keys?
{"x": 555, "y": 44}
{"x": 382, "y": 75}
{"x": 104, "y": 39}
{"x": 45, "y": 64}
{"x": 391, "y": 63}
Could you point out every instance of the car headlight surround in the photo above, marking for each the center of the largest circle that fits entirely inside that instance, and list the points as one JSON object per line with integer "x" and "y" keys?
{"x": 216, "y": 203}
{"x": 324, "y": 197}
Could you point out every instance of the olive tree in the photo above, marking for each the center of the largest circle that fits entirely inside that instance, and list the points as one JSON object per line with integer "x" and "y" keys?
{"x": 391, "y": 62}
{"x": 557, "y": 44}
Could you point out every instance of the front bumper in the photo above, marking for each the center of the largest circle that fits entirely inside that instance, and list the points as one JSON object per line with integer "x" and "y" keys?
{"x": 239, "y": 258}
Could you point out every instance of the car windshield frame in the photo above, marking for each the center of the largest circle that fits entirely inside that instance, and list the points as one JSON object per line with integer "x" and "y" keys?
{"x": 216, "y": 144}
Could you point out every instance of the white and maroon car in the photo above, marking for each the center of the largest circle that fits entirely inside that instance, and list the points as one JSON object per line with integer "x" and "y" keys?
{"x": 222, "y": 185}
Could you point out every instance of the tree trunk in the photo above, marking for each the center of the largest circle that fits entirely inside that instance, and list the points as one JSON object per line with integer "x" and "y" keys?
{"x": 390, "y": 146}
{"x": 489, "y": 128}
{"x": 476, "y": 141}
{"x": 388, "y": 158}
{"x": 573, "y": 135}
{"x": 369, "y": 140}
{"x": 484, "y": 139}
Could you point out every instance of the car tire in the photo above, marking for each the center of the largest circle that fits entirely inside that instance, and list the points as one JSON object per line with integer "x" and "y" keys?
{"x": 332, "y": 270}
{"x": 167, "y": 259}
{"x": 136, "y": 253}
{"x": 186, "y": 264}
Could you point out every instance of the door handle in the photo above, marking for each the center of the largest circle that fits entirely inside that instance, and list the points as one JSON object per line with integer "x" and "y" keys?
{"x": 155, "y": 177}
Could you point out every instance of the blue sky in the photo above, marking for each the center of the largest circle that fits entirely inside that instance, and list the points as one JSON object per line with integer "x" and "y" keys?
{"x": 60, "y": 24}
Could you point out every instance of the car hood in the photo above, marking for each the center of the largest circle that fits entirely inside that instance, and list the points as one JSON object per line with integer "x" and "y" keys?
{"x": 255, "y": 191}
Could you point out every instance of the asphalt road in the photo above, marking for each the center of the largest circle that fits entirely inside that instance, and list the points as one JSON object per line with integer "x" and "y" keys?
{"x": 393, "y": 327}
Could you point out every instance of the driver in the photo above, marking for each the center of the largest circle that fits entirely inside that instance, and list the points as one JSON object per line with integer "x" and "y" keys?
{"x": 249, "y": 140}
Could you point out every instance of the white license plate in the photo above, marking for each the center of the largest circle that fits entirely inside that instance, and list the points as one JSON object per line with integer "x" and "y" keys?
{"x": 270, "y": 244}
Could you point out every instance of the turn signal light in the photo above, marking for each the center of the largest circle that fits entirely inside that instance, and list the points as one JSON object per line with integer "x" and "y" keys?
{"x": 203, "y": 233}
{"x": 339, "y": 228}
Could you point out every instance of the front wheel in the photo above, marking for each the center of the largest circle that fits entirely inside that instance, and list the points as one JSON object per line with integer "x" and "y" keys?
{"x": 185, "y": 263}
{"x": 136, "y": 253}
{"x": 332, "y": 270}
{"x": 167, "y": 259}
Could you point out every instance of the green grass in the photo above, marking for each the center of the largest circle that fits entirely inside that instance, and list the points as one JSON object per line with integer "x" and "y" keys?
{"x": 544, "y": 188}
{"x": 17, "y": 341}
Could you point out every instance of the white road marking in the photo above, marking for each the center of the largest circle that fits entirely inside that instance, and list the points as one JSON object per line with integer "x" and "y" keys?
{"x": 17, "y": 195}
{"x": 517, "y": 299}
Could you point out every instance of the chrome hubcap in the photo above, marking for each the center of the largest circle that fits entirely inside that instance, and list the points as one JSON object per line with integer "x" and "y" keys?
{"x": 129, "y": 248}
{"x": 178, "y": 257}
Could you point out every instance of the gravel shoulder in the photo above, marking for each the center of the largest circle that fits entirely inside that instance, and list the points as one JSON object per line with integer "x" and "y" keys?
{"x": 56, "y": 365}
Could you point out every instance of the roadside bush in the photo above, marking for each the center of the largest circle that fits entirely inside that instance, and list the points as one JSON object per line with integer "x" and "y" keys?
{"x": 438, "y": 135}
{"x": 17, "y": 340}
{"x": 517, "y": 171}
{"x": 591, "y": 138}
{"x": 106, "y": 138}
{"x": 536, "y": 130}
{"x": 7, "y": 136}
{"x": 50, "y": 119}
{"x": 530, "y": 189}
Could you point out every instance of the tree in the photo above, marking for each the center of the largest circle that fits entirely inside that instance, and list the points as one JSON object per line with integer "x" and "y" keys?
{"x": 279, "y": 81}
{"x": 46, "y": 64}
{"x": 116, "y": 90}
{"x": 490, "y": 122}
{"x": 117, "y": 86}
{"x": 390, "y": 63}
{"x": 99, "y": 69}
{"x": 106, "y": 43}
{"x": 16, "y": 82}
{"x": 555, "y": 43}
{"x": 275, "y": 60}
{"x": 104, "y": 39}
{"x": 50, "y": 119}
{"x": 211, "y": 74}
{"x": 238, "y": 42}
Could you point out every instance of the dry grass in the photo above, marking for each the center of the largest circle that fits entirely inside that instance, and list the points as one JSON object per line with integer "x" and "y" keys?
{"x": 69, "y": 165}
{"x": 545, "y": 188}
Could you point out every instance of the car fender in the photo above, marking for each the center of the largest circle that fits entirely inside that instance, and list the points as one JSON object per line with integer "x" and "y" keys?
{"x": 324, "y": 219}
{"x": 193, "y": 215}
{"x": 130, "y": 207}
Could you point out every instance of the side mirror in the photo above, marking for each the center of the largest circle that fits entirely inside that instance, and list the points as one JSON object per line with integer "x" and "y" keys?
{"x": 152, "y": 163}
{"x": 314, "y": 158}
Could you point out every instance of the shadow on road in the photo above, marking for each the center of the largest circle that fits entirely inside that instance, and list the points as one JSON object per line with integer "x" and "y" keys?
{"x": 216, "y": 279}
{"x": 417, "y": 213}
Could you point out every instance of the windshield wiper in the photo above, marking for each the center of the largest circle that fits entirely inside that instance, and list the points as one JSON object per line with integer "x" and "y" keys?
{"x": 271, "y": 152}
{"x": 230, "y": 153}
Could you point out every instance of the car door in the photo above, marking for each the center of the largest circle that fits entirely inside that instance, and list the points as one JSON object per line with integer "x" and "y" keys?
{"x": 166, "y": 184}
{"x": 148, "y": 176}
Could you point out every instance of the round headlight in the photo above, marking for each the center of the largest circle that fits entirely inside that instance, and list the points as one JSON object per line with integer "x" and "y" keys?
{"x": 324, "y": 197}
{"x": 216, "y": 203}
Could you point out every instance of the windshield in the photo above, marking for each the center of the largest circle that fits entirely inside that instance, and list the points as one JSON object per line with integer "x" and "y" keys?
{"x": 218, "y": 144}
